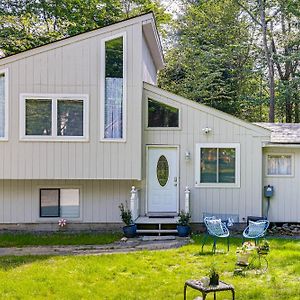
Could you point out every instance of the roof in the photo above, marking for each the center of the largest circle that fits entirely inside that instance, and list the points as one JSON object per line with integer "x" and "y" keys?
{"x": 283, "y": 133}
{"x": 258, "y": 130}
{"x": 149, "y": 29}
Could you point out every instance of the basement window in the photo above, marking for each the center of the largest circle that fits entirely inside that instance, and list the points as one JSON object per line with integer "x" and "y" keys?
{"x": 59, "y": 203}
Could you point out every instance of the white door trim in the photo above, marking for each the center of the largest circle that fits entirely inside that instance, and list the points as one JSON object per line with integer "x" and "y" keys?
{"x": 177, "y": 147}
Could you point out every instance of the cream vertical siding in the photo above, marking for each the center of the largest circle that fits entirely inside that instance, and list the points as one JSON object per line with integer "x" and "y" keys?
{"x": 74, "y": 68}
{"x": 149, "y": 69}
{"x": 285, "y": 204}
{"x": 99, "y": 200}
{"x": 245, "y": 200}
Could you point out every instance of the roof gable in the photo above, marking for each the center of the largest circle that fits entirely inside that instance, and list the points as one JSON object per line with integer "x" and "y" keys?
{"x": 222, "y": 115}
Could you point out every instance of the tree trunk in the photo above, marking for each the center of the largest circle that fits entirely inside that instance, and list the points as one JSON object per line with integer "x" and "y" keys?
{"x": 296, "y": 112}
{"x": 270, "y": 61}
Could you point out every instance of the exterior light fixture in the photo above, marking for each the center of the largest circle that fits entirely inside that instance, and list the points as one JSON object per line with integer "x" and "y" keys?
{"x": 187, "y": 155}
{"x": 206, "y": 130}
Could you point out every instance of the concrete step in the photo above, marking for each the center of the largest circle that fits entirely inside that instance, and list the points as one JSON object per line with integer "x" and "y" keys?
{"x": 156, "y": 231}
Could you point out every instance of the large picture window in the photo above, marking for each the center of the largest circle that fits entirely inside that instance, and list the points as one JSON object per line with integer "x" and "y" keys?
{"x": 114, "y": 88}
{"x": 59, "y": 203}
{"x": 3, "y": 104}
{"x": 54, "y": 117}
{"x": 217, "y": 164}
{"x": 279, "y": 165}
{"x": 162, "y": 115}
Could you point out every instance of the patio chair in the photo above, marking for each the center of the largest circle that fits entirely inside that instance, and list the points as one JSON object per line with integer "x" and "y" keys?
{"x": 216, "y": 229}
{"x": 256, "y": 230}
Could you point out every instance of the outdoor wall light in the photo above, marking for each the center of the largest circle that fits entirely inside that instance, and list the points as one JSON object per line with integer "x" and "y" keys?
{"x": 187, "y": 155}
{"x": 206, "y": 130}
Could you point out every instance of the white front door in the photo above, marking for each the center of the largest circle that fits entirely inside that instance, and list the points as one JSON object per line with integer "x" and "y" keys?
{"x": 162, "y": 180}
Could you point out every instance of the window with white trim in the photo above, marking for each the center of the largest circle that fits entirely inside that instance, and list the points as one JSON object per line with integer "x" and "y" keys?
{"x": 59, "y": 203}
{"x": 3, "y": 104}
{"x": 279, "y": 165}
{"x": 62, "y": 117}
{"x": 217, "y": 165}
{"x": 113, "y": 88}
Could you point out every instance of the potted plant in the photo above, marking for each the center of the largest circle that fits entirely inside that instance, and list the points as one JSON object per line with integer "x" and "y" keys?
{"x": 130, "y": 228}
{"x": 243, "y": 253}
{"x": 264, "y": 248}
{"x": 183, "y": 227}
{"x": 213, "y": 275}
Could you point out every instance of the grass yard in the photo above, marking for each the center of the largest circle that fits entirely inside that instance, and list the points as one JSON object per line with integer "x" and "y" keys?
{"x": 57, "y": 238}
{"x": 147, "y": 275}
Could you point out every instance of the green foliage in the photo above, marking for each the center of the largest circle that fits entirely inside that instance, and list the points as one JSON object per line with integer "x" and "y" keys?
{"x": 184, "y": 218}
{"x": 126, "y": 214}
{"x": 210, "y": 62}
{"x": 25, "y": 24}
{"x": 147, "y": 274}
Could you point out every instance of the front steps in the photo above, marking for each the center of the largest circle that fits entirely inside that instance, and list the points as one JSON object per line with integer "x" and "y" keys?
{"x": 156, "y": 225}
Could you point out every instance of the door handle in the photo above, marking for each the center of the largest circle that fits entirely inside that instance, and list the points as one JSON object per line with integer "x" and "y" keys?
{"x": 175, "y": 181}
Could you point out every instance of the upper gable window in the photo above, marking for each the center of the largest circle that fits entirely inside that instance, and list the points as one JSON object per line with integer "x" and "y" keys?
{"x": 54, "y": 117}
{"x": 3, "y": 104}
{"x": 114, "y": 89}
{"x": 162, "y": 115}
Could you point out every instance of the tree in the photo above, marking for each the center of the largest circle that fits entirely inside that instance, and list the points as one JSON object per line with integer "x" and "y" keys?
{"x": 211, "y": 60}
{"x": 25, "y": 24}
{"x": 278, "y": 24}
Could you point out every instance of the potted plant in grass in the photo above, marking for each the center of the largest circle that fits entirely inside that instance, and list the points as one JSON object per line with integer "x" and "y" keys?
{"x": 263, "y": 248}
{"x": 243, "y": 253}
{"x": 213, "y": 275}
{"x": 183, "y": 224}
{"x": 130, "y": 228}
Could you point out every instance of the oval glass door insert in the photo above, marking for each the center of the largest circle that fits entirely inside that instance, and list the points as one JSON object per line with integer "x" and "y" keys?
{"x": 162, "y": 170}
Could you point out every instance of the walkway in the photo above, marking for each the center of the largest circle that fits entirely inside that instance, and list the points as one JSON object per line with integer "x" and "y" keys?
{"x": 122, "y": 246}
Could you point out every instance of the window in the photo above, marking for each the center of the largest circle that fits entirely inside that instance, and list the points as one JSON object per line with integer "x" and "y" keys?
{"x": 3, "y": 104}
{"x": 279, "y": 165}
{"x": 49, "y": 117}
{"x": 217, "y": 165}
{"x": 113, "y": 93}
{"x": 59, "y": 203}
{"x": 162, "y": 115}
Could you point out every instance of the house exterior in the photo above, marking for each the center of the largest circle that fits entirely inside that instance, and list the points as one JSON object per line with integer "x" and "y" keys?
{"x": 82, "y": 122}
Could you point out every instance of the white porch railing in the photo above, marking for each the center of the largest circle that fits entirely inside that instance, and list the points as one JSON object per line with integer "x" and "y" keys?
{"x": 187, "y": 195}
{"x": 134, "y": 203}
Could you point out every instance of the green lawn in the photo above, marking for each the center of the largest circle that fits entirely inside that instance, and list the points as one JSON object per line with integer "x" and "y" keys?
{"x": 147, "y": 275}
{"x": 57, "y": 238}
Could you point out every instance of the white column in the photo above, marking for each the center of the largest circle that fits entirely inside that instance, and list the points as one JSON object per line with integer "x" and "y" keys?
{"x": 187, "y": 193}
{"x": 133, "y": 203}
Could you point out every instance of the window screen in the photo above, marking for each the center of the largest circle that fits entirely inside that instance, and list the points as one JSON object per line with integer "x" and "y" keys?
{"x": 38, "y": 116}
{"x": 69, "y": 117}
{"x": 49, "y": 206}
{"x": 279, "y": 165}
{"x": 162, "y": 115}
{"x": 114, "y": 81}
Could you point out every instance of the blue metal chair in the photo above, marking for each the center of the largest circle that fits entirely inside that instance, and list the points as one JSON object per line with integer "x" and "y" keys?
{"x": 216, "y": 229}
{"x": 256, "y": 230}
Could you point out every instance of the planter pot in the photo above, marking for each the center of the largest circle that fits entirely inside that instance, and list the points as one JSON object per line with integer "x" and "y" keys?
{"x": 242, "y": 258}
{"x": 183, "y": 230}
{"x": 214, "y": 280}
{"x": 129, "y": 231}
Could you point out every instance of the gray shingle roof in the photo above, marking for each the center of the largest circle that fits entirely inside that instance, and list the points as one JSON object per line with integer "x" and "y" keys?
{"x": 283, "y": 133}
